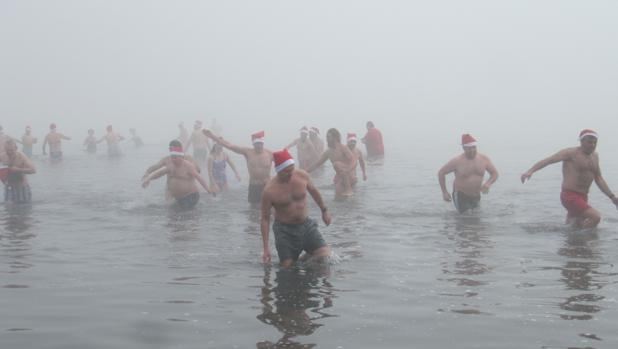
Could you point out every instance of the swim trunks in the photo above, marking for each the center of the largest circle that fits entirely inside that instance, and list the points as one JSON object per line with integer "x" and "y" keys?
{"x": 55, "y": 155}
{"x": 188, "y": 201}
{"x": 18, "y": 194}
{"x": 27, "y": 151}
{"x": 255, "y": 193}
{"x": 464, "y": 202}
{"x": 292, "y": 239}
{"x": 574, "y": 202}
{"x": 200, "y": 155}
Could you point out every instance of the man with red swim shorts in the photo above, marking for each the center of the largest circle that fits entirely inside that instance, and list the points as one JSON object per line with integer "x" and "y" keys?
{"x": 580, "y": 166}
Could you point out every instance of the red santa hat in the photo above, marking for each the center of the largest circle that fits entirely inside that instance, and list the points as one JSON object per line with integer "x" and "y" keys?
{"x": 283, "y": 159}
{"x": 352, "y": 137}
{"x": 176, "y": 150}
{"x": 588, "y": 132}
{"x": 52, "y": 126}
{"x": 315, "y": 130}
{"x": 468, "y": 141}
{"x": 304, "y": 130}
{"x": 257, "y": 137}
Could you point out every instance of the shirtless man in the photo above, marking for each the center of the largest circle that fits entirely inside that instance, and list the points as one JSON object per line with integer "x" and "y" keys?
{"x": 352, "y": 140}
{"x": 16, "y": 188}
{"x": 259, "y": 162}
{"x": 294, "y": 230}
{"x": 54, "y": 139}
{"x": 469, "y": 169}
{"x": 314, "y": 136}
{"x": 90, "y": 142}
{"x": 166, "y": 161}
{"x": 307, "y": 152}
{"x": 181, "y": 176}
{"x": 580, "y": 166}
{"x": 343, "y": 161}
{"x": 200, "y": 144}
{"x": 27, "y": 141}
{"x": 113, "y": 140}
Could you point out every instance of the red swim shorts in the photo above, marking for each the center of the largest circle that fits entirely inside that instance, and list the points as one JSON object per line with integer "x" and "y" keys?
{"x": 574, "y": 202}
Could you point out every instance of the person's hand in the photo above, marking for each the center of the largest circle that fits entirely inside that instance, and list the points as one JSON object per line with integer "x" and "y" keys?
{"x": 326, "y": 217}
{"x": 214, "y": 188}
{"x": 208, "y": 133}
{"x": 526, "y": 176}
{"x": 485, "y": 188}
{"x": 266, "y": 256}
{"x": 145, "y": 183}
{"x": 447, "y": 197}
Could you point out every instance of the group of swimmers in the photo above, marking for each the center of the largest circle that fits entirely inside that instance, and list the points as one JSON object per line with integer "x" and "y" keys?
{"x": 286, "y": 192}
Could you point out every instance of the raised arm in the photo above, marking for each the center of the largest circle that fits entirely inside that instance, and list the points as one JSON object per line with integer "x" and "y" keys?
{"x": 317, "y": 197}
{"x": 236, "y": 149}
{"x": 65, "y": 137}
{"x": 446, "y": 169}
{"x": 293, "y": 144}
{"x": 559, "y": 156}
{"x": 265, "y": 225}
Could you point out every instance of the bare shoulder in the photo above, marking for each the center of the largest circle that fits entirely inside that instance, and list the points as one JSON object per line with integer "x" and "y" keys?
{"x": 302, "y": 173}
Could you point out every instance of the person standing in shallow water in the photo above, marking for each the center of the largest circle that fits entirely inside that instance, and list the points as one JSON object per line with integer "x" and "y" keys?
{"x": 113, "y": 140}
{"x": 469, "y": 169}
{"x": 217, "y": 163}
{"x": 259, "y": 162}
{"x": 373, "y": 142}
{"x": 54, "y": 139}
{"x": 343, "y": 161}
{"x": 18, "y": 165}
{"x": 27, "y": 142}
{"x": 294, "y": 231}
{"x": 580, "y": 166}
{"x": 307, "y": 152}
{"x": 181, "y": 176}
{"x": 90, "y": 142}
{"x": 352, "y": 140}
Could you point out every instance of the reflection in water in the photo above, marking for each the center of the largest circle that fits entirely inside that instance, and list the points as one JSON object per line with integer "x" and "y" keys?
{"x": 470, "y": 239}
{"x": 15, "y": 236}
{"x": 579, "y": 274}
{"x": 285, "y": 304}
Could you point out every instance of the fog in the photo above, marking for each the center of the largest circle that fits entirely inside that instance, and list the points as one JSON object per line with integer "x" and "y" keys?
{"x": 513, "y": 73}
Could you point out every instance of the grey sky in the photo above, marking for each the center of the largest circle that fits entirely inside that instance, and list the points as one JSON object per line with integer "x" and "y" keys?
{"x": 421, "y": 70}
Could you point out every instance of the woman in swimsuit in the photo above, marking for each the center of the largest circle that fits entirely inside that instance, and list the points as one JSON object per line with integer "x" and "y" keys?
{"x": 217, "y": 161}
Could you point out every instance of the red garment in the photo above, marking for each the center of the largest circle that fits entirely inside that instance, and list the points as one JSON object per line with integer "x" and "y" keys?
{"x": 575, "y": 203}
{"x": 374, "y": 143}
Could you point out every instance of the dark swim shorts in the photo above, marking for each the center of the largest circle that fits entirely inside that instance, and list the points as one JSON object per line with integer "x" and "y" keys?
{"x": 292, "y": 239}
{"x": 464, "y": 202}
{"x": 17, "y": 194}
{"x": 188, "y": 201}
{"x": 255, "y": 193}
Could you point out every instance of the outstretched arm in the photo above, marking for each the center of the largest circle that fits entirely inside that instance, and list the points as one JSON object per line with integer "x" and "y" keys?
{"x": 65, "y": 137}
{"x": 559, "y": 156}
{"x": 154, "y": 167}
{"x": 265, "y": 226}
{"x": 157, "y": 174}
{"x": 294, "y": 143}
{"x": 318, "y": 163}
{"x": 236, "y": 149}
{"x": 446, "y": 169}
{"x": 317, "y": 197}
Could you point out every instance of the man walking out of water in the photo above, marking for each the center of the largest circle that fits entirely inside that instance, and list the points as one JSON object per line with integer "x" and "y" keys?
{"x": 294, "y": 231}
{"x": 373, "y": 142}
{"x": 200, "y": 144}
{"x": 181, "y": 177}
{"x": 259, "y": 162}
{"x": 113, "y": 140}
{"x": 580, "y": 166}
{"x": 352, "y": 140}
{"x": 343, "y": 161}
{"x": 469, "y": 169}
{"x": 27, "y": 142}
{"x": 54, "y": 139}
{"x": 307, "y": 153}
{"x": 16, "y": 166}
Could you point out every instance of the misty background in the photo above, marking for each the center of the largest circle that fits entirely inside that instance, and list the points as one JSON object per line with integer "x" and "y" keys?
{"x": 522, "y": 76}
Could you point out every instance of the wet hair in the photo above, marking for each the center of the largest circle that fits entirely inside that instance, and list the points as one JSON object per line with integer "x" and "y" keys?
{"x": 335, "y": 133}
{"x": 175, "y": 143}
{"x": 370, "y": 124}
